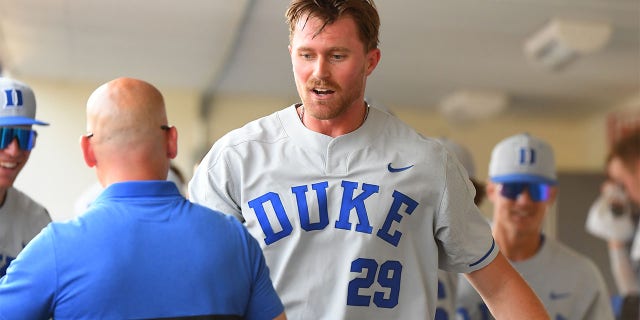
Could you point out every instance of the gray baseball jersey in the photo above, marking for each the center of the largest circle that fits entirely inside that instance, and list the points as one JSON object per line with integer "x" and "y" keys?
{"x": 568, "y": 283}
{"x": 21, "y": 219}
{"x": 352, "y": 227}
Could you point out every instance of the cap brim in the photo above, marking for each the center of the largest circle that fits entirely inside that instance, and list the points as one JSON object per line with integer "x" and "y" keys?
{"x": 527, "y": 178}
{"x": 20, "y": 121}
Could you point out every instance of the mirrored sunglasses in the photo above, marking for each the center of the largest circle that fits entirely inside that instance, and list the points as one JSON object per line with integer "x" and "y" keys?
{"x": 26, "y": 137}
{"x": 537, "y": 191}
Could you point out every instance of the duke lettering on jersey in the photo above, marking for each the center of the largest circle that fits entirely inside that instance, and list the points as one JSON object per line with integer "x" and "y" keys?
{"x": 354, "y": 199}
{"x": 14, "y": 98}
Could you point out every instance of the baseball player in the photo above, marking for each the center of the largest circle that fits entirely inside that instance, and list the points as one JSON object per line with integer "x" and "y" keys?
{"x": 614, "y": 217}
{"x": 354, "y": 210}
{"x": 21, "y": 218}
{"x": 522, "y": 187}
{"x": 141, "y": 251}
{"x": 611, "y": 217}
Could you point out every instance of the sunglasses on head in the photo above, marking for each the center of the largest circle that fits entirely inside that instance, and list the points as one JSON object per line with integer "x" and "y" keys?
{"x": 26, "y": 137}
{"x": 537, "y": 191}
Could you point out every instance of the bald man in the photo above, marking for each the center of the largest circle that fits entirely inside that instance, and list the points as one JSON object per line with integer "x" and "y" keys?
{"x": 141, "y": 250}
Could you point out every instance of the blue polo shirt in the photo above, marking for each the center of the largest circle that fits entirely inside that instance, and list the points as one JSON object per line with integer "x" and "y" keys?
{"x": 140, "y": 251}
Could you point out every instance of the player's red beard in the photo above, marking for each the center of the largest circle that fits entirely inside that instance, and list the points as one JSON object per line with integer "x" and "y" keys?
{"x": 336, "y": 103}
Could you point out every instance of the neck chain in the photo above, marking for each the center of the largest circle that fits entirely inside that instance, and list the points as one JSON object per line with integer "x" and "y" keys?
{"x": 366, "y": 113}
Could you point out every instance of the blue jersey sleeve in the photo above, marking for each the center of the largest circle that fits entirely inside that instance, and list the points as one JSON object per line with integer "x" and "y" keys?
{"x": 27, "y": 290}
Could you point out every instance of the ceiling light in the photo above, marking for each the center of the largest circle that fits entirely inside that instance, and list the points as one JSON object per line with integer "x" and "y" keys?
{"x": 563, "y": 40}
{"x": 468, "y": 105}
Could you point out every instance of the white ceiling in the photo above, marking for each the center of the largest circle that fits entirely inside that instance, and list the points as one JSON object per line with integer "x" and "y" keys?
{"x": 430, "y": 48}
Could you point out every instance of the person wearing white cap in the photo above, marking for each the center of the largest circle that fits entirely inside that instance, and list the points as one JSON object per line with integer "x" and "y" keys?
{"x": 522, "y": 187}
{"x": 21, "y": 218}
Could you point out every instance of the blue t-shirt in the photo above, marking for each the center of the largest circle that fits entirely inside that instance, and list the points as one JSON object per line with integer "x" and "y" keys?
{"x": 140, "y": 251}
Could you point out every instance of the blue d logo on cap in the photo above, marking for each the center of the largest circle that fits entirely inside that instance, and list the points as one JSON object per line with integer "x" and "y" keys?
{"x": 527, "y": 156}
{"x": 14, "y": 98}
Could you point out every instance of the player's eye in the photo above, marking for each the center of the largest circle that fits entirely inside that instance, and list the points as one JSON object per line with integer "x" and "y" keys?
{"x": 306, "y": 56}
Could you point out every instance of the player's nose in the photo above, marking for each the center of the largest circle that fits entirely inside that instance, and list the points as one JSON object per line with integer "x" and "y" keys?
{"x": 321, "y": 68}
{"x": 524, "y": 197}
{"x": 12, "y": 148}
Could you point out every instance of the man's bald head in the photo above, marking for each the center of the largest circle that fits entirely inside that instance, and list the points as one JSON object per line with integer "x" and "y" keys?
{"x": 125, "y": 108}
{"x": 125, "y": 117}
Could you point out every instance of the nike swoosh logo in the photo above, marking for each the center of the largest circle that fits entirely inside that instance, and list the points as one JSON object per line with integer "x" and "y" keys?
{"x": 556, "y": 296}
{"x": 392, "y": 169}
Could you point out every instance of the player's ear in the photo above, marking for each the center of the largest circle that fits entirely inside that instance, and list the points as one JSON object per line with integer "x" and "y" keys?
{"x": 373, "y": 57}
{"x": 87, "y": 151}
{"x": 492, "y": 191}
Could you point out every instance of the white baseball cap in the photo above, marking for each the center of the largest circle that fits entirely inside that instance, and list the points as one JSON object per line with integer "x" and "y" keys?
{"x": 17, "y": 104}
{"x": 462, "y": 153}
{"x": 522, "y": 158}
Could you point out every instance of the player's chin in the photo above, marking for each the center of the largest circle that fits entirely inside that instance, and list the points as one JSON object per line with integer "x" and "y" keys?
{"x": 6, "y": 181}
{"x": 317, "y": 106}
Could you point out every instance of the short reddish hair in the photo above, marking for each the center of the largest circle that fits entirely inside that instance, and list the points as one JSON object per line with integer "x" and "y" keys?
{"x": 363, "y": 12}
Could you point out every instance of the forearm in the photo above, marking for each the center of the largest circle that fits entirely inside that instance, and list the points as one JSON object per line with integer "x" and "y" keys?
{"x": 621, "y": 268}
{"x": 505, "y": 293}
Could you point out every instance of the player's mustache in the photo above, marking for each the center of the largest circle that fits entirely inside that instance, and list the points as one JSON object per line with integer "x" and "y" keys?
{"x": 324, "y": 84}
